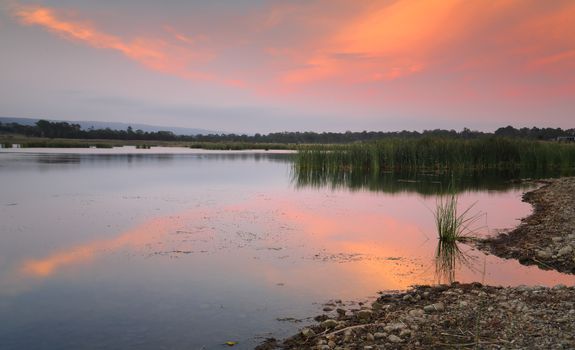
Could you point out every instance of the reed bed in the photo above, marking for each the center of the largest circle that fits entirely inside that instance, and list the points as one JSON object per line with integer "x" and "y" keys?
{"x": 436, "y": 154}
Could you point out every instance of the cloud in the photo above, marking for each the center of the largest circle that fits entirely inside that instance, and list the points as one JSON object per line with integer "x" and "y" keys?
{"x": 153, "y": 53}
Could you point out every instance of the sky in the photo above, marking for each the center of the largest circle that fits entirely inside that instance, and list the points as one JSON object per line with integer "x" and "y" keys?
{"x": 280, "y": 65}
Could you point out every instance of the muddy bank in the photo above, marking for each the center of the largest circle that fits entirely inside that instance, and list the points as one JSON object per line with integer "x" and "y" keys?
{"x": 547, "y": 237}
{"x": 454, "y": 316}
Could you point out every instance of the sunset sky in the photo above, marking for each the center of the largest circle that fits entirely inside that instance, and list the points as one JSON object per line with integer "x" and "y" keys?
{"x": 275, "y": 65}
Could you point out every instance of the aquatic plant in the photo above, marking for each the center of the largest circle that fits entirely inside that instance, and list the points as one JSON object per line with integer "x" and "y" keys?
{"x": 436, "y": 154}
{"x": 451, "y": 223}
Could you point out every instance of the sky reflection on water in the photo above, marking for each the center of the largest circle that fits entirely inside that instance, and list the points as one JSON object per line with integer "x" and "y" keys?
{"x": 197, "y": 249}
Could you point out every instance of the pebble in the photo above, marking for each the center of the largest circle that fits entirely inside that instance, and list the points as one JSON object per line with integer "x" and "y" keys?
{"x": 379, "y": 335}
{"x": 544, "y": 254}
{"x": 394, "y": 327}
{"x": 329, "y": 323}
{"x": 307, "y": 332}
{"x": 416, "y": 313}
{"x": 404, "y": 333}
{"x": 394, "y": 339}
{"x": 364, "y": 314}
{"x": 434, "y": 307}
{"x": 370, "y": 337}
{"x": 565, "y": 251}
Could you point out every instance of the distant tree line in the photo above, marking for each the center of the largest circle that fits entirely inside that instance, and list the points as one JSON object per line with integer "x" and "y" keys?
{"x": 44, "y": 128}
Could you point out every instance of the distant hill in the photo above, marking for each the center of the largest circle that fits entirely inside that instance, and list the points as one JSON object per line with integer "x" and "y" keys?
{"x": 114, "y": 126}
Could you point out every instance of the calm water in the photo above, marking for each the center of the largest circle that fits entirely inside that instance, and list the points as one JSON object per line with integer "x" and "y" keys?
{"x": 182, "y": 249}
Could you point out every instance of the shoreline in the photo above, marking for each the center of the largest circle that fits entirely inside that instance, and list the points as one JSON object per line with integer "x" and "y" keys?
{"x": 545, "y": 238}
{"x": 471, "y": 315}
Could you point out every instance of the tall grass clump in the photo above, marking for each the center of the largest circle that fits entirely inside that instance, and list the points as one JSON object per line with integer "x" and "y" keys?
{"x": 451, "y": 223}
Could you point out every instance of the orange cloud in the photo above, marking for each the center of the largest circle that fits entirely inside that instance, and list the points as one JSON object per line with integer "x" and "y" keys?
{"x": 155, "y": 54}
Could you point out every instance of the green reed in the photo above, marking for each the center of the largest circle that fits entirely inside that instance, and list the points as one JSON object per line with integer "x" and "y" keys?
{"x": 437, "y": 154}
{"x": 451, "y": 223}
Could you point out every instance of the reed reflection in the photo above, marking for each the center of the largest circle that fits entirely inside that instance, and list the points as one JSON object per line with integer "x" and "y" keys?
{"x": 449, "y": 258}
{"x": 426, "y": 183}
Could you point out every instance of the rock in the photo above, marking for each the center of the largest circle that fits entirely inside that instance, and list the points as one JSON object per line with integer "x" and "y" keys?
{"x": 437, "y": 307}
{"x": 329, "y": 323}
{"x": 407, "y": 297}
{"x": 327, "y": 309}
{"x": 559, "y": 287}
{"x": 394, "y": 327}
{"x": 379, "y": 335}
{"x": 331, "y": 344}
{"x": 556, "y": 239}
{"x": 565, "y": 251}
{"x": 307, "y": 332}
{"x": 370, "y": 337}
{"x": 340, "y": 312}
{"x": 394, "y": 339}
{"x": 364, "y": 314}
{"x": 416, "y": 313}
{"x": 404, "y": 333}
{"x": 544, "y": 254}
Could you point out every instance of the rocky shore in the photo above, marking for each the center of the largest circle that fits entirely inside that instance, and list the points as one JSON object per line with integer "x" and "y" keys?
{"x": 471, "y": 315}
{"x": 448, "y": 316}
{"x": 547, "y": 237}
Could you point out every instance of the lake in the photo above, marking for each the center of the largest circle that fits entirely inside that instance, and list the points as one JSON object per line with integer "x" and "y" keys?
{"x": 173, "y": 248}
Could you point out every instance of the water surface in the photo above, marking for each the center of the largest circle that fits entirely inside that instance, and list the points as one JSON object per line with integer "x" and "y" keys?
{"x": 187, "y": 249}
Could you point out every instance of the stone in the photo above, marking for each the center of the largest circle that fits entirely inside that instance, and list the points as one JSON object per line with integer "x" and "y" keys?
{"x": 331, "y": 344}
{"x": 544, "y": 254}
{"x": 416, "y": 313}
{"x": 565, "y": 251}
{"x": 364, "y": 314}
{"x": 370, "y": 337}
{"x": 394, "y": 339}
{"x": 437, "y": 307}
{"x": 307, "y": 332}
{"x": 404, "y": 333}
{"x": 329, "y": 323}
{"x": 379, "y": 335}
{"x": 394, "y": 327}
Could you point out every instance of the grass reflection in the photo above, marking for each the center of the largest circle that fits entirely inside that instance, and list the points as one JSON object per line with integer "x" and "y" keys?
{"x": 448, "y": 258}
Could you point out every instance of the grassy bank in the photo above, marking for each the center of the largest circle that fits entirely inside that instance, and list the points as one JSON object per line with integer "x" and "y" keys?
{"x": 29, "y": 142}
